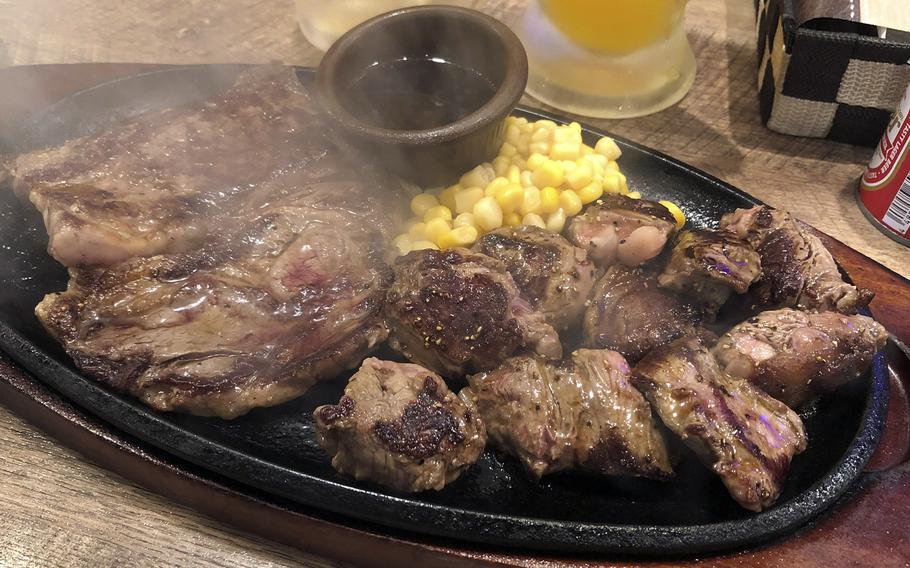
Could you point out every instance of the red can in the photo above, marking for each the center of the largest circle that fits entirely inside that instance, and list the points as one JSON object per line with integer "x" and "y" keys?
{"x": 884, "y": 192}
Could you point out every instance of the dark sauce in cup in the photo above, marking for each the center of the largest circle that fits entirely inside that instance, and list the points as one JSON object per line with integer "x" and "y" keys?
{"x": 416, "y": 93}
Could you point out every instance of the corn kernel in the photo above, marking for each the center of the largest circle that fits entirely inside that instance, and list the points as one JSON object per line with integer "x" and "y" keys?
{"x": 513, "y": 134}
{"x": 447, "y": 196}
{"x": 525, "y": 178}
{"x": 634, "y": 195}
{"x": 549, "y": 174}
{"x": 487, "y": 214}
{"x": 466, "y": 198}
{"x": 464, "y": 220}
{"x": 611, "y": 165}
{"x": 507, "y": 150}
{"x": 478, "y": 177}
{"x": 580, "y": 176}
{"x": 565, "y": 151}
{"x": 607, "y": 147}
{"x": 439, "y": 211}
{"x": 421, "y": 245}
{"x": 575, "y": 126}
{"x": 570, "y": 203}
{"x": 536, "y": 160}
{"x": 422, "y": 202}
{"x": 510, "y": 197}
{"x": 541, "y": 135}
{"x": 591, "y": 192}
{"x": 514, "y": 175}
{"x": 531, "y": 201}
{"x": 519, "y": 163}
{"x": 586, "y": 150}
{"x": 417, "y": 231}
{"x": 545, "y": 124}
{"x": 523, "y": 147}
{"x": 549, "y": 199}
{"x": 495, "y": 185}
{"x": 565, "y": 134}
{"x": 539, "y": 148}
{"x": 501, "y": 165}
{"x": 676, "y": 211}
{"x": 521, "y": 121}
{"x": 511, "y": 220}
{"x": 402, "y": 243}
{"x": 611, "y": 183}
{"x": 458, "y": 237}
{"x": 624, "y": 186}
{"x": 534, "y": 219}
{"x": 436, "y": 228}
{"x": 598, "y": 162}
{"x": 556, "y": 221}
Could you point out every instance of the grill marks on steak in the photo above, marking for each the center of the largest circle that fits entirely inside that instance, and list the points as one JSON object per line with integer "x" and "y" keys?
{"x": 398, "y": 424}
{"x": 797, "y": 269}
{"x": 554, "y": 276}
{"x": 457, "y": 311}
{"x": 560, "y": 415}
{"x": 252, "y": 318}
{"x": 741, "y": 433}
{"x": 161, "y": 183}
{"x": 795, "y": 356}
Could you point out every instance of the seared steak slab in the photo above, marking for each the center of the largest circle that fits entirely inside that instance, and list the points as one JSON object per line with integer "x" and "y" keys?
{"x": 744, "y": 435}
{"x": 399, "y": 425}
{"x": 161, "y": 182}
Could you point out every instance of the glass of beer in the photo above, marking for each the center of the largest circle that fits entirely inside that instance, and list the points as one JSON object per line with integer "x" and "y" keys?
{"x": 608, "y": 58}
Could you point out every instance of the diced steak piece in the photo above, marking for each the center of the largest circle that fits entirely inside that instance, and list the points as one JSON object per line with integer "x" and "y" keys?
{"x": 795, "y": 356}
{"x": 745, "y": 436}
{"x": 458, "y": 311}
{"x": 399, "y": 425}
{"x": 160, "y": 183}
{"x": 252, "y": 318}
{"x": 631, "y": 314}
{"x": 619, "y": 228}
{"x": 710, "y": 265}
{"x": 578, "y": 414}
{"x": 554, "y": 276}
{"x": 797, "y": 269}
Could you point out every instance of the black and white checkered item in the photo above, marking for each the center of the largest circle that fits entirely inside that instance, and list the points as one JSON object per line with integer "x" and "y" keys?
{"x": 826, "y": 84}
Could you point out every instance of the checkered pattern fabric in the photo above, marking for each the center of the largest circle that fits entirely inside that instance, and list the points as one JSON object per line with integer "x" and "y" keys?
{"x": 826, "y": 84}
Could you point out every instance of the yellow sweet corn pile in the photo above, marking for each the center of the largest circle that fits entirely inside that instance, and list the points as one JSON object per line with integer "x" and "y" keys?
{"x": 543, "y": 175}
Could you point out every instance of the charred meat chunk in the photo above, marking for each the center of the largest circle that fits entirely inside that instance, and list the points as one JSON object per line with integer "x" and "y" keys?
{"x": 399, "y": 425}
{"x": 741, "y": 433}
{"x": 631, "y": 314}
{"x": 578, "y": 414}
{"x": 619, "y": 228}
{"x": 797, "y": 269}
{"x": 458, "y": 311}
{"x": 554, "y": 276}
{"x": 252, "y": 318}
{"x": 795, "y": 356}
{"x": 709, "y": 266}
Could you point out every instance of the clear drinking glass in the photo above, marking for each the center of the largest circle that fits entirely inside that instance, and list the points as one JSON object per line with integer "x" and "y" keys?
{"x": 323, "y": 22}
{"x": 608, "y": 59}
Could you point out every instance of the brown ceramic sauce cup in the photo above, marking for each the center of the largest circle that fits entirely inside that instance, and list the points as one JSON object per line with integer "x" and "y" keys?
{"x": 462, "y": 122}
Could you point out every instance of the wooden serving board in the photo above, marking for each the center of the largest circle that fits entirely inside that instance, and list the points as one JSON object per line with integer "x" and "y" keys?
{"x": 869, "y": 528}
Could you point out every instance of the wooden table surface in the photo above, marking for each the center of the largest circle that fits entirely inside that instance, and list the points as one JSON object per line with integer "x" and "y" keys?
{"x": 60, "y": 510}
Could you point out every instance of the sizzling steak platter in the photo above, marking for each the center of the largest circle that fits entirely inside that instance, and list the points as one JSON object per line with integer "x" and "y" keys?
{"x": 226, "y": 255}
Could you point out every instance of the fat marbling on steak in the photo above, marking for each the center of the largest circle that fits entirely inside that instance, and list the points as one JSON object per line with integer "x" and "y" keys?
{"x": 160, "y": 183}
{"x": 287, "y": 291}
{"x": 399, "y": 425}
